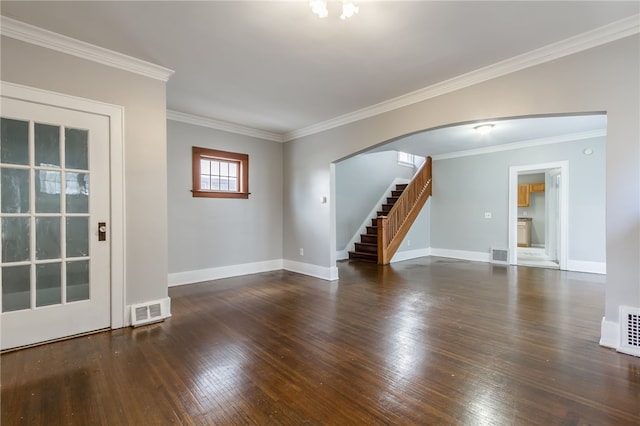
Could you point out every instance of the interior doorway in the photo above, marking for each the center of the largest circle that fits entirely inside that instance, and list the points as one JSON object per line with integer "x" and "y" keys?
{"x": 57, "y": 183}
{"x": 538, "y": 206}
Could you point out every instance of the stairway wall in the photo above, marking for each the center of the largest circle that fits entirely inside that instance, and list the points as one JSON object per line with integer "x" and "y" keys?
{"x": 360, "y": 183}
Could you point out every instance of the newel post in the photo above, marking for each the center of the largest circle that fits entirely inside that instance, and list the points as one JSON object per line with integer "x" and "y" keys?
{"x": 383, "y": 222}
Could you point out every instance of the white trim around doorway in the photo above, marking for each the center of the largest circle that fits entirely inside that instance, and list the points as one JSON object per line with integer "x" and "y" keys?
{"x": 563, "y": 250}
{"x": 115, "y": 114}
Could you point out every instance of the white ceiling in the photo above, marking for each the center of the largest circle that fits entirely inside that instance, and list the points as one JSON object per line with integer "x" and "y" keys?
{"x": 274, "y": 66}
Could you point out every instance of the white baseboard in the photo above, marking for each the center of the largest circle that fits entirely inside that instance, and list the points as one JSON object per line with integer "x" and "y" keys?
{"x": 166, "y": 309}
{"x": 190, "y": 277}
{"x": 322, "y": 272}
{"x": 609, "y": 334}
{"x": 476, "y": 256}
{"x": 584, "y": 266}
{"x": 410, "y": 254}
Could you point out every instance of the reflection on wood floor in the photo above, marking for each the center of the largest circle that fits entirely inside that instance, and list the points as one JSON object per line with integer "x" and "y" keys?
{"x": 536, "y": 257}
{"x": 429, "y": 341}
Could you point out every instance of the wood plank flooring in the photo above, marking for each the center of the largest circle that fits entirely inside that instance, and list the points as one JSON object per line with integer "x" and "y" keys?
{"x": 427, "y": 342}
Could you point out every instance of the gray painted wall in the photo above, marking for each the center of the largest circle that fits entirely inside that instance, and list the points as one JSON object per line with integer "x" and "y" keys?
{"x": 212, "y": 232}
{"x": 604, "y": 78}
{"x": 144, "y": 101}
{"x": 466, "y": 187}
{"x": 360, "y": 182}
{"x": 536, "y": 208}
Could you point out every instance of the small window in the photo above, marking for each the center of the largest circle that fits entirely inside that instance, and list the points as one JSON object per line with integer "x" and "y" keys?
{"x": 220, "y": 174}
{"x": 406, "y": 159}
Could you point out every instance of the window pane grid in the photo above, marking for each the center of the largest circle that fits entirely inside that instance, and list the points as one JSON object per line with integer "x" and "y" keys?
{"x": 219, "y": 175}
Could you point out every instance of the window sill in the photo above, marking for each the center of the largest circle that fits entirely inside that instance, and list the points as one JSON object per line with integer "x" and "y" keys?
{"x": 220, "y": 194}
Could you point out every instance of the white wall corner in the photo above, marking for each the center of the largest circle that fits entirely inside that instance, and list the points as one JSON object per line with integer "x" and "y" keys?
{"x": 322, "y": 272}
{"x": 342, "y": 254}
{"x": 411, "y": 254}
{"x": 609, "y": 334}
{"x": 475, "y": 256}
{"x": 166, "y": 309}
{"x": 589, "y": 267}
{"x": 209, "y": 274}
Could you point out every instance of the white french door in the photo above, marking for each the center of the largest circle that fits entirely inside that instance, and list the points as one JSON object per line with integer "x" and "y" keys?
{"x": 54, "y": 210}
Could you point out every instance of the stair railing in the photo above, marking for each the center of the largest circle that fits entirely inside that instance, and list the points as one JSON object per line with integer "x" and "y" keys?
{"x": 393, "y": 227}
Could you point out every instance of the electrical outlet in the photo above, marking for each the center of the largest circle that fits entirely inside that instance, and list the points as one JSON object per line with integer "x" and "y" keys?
{"x": 487, "y": 215}
{"x": 301, "y": 252}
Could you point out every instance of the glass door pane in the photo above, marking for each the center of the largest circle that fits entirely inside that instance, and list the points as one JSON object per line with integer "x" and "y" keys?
{"x": 44, "y": 215}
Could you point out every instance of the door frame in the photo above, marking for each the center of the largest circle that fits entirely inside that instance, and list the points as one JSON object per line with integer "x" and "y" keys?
{"x": 563, "y": 225}
{"x": 552, "y": 217}
{"x": 115, "y": 114}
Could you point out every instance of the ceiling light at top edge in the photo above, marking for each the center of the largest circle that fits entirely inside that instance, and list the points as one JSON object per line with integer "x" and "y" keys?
{"x": 484, "y": 129}
{"x": 319, "y": 7}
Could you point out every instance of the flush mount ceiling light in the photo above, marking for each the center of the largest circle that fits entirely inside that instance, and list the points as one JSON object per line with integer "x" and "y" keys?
{"x": 484, "y": 129}
{"x": 319, "y": 7}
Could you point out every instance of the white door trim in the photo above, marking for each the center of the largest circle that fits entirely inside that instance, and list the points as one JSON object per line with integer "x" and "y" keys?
{"x": 115, "y": 114}
{"x": 563, "y": 250}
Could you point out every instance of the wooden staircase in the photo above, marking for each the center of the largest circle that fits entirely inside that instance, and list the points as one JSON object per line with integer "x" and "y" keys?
{"x": 367, "y": 249}
{"x": 384, "y": 236}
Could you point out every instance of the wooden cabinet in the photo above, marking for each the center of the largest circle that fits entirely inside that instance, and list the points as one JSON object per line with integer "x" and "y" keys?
{"x": 524, "y": 232}
{"x": 524, "y": 191}
{"x": 523, "y": 195}
{"x": 536, "y": 187}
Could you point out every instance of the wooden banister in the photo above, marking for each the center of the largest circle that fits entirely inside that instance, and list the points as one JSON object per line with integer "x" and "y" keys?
{"x": 393, "y": 227}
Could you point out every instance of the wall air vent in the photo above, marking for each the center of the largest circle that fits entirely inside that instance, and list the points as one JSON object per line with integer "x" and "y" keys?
{"x": 629, "y": 330}
{"x": 147, "y": 313}
{"x": 499, "y": 256}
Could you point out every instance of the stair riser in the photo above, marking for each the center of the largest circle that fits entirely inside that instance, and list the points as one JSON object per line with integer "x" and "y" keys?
{"x": 396, "y": 193}
{"x": 363, "y": 248}
{"x": 371, "y": 239}
{"x": 363, "y": 257}
{"x": 371, "y": 230}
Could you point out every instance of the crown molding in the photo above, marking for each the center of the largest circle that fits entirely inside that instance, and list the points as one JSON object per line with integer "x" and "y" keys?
{"x": 223, "y": 125}
{"x": 34, "y": 35}
{"x": 590, "y": 39}
{"x": 523, "y": 144}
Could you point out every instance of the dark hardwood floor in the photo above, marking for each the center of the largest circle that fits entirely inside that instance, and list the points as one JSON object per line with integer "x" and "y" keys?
{"x": 431, "y": 341}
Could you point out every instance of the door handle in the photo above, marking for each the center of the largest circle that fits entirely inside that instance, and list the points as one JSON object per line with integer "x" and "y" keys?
{"x": 102, "y": 231}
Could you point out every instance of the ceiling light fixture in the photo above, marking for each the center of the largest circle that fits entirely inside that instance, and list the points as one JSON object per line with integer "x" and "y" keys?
{"x": 484, "y": 129}
{"x": 349, "y": 9}
{"x": 319, "y": 7}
